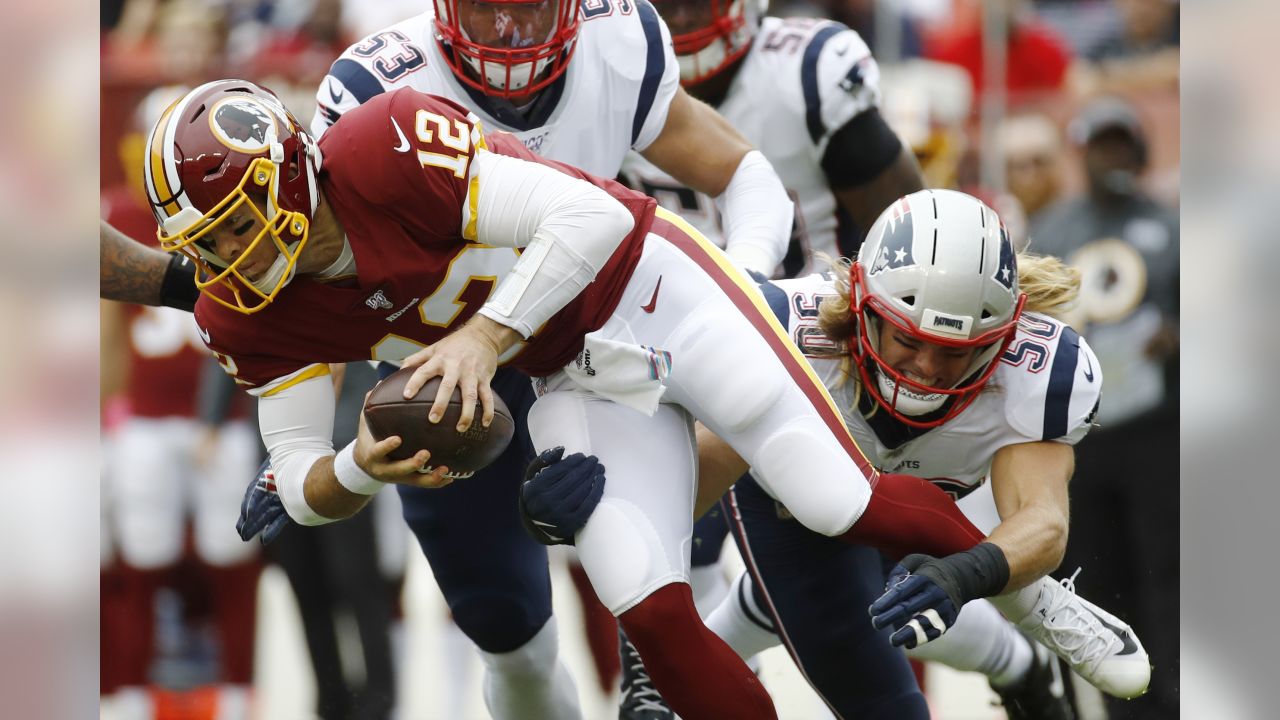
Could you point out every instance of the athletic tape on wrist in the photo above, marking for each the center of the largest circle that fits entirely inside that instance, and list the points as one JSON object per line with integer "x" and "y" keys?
{"x": 351, "y": 476}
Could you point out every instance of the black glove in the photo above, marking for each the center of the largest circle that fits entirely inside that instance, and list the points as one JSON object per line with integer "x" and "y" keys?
{"x": 558, "y": 495}
{"x": 261, "y": 509}
{"x": 920, "y": 602}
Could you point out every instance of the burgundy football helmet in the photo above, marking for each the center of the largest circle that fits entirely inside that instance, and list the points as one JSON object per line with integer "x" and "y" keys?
{"x": 213, "y": 153}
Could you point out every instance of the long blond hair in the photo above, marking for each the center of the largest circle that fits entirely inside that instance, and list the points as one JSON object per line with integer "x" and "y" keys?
{"x": 1051, "y": 287}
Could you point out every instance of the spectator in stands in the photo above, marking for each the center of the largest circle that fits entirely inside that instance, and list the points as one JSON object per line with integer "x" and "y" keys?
{"x": 1125, "y": 488}
{"x": 1031, "y": 146}
{"x": 1138, "y": 54}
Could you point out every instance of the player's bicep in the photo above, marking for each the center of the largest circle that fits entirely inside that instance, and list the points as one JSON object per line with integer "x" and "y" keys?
{"x": 1032, "y": 474}
{"x": 698, "y": 147}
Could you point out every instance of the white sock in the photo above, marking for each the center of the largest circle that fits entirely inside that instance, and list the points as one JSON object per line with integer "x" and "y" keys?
{"x": 531, "y": 682}
{"x": 981, "y": 641}
{"x": 459, "y": 668}
{"x": 741, "y": 623}
{"x": 709, "y": 588}
{"x": 1017, "y": 604}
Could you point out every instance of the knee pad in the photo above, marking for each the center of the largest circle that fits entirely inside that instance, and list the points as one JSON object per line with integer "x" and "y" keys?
{"x": 625, "y": 567}
{"x": 805, "y": 469}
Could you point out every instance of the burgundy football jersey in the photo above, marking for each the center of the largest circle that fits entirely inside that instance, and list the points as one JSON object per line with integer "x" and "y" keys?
{"x": 395, "y": 173}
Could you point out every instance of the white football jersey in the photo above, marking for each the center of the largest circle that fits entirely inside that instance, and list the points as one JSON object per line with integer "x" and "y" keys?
{"x": 802, "y": 80}
{"x": 614, "y": 95}
{"x": 1046, "y": 387}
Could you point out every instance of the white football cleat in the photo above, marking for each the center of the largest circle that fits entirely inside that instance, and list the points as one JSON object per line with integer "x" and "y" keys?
{"x": 1097, "y": 645}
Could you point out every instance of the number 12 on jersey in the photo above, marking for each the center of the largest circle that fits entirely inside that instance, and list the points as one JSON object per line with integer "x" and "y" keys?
{"x": 455, "y": 137}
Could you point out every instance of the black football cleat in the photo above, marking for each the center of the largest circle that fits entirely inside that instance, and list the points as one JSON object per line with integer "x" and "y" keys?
{"x": 1042, "y": 694}
{"x": 640, "y": 699}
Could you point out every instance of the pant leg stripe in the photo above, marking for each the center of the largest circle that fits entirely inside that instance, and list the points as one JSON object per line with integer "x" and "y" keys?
{"x": 742, "y": 292}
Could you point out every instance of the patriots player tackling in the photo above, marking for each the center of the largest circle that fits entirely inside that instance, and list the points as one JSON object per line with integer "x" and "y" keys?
{"x": 937, "y": 349}
{"x": 944, "y": 374}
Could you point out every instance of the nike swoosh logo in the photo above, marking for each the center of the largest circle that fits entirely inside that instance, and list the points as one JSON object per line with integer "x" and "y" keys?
{"x": 842, "y": 51}
{"x": 404, "y": 141}
{"x": 653, "y": 301}
{"x": 336, "y": 96}
{"x": 1088, "y": 374}
{"x": 1130, "y": 646}
{"x": 204, "y": 334}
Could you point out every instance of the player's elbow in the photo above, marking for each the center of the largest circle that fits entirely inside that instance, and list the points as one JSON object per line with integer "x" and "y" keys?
{"x": 616, "y": 221}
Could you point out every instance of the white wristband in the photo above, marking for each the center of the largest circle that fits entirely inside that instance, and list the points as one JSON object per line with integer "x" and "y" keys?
{"x": 351, "y": 476}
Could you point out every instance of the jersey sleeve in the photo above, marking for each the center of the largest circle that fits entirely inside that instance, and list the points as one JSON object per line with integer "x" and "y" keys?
{"x": 661, "y": 78}
{"x": 370, "y": 67}
{"x": 243, "y": 350}
{"x": 1056, "y": 386}
{"x": 408, "y": 155}
{"x": 839, "y": 80}
{"x": 795, "y": 304}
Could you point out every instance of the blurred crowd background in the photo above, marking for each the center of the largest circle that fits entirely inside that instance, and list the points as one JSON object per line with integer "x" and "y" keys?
{"x": 1062, "y": 114}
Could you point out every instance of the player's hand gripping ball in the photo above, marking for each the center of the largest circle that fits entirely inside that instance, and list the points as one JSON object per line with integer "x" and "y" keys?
{"x": 388, "y": 413}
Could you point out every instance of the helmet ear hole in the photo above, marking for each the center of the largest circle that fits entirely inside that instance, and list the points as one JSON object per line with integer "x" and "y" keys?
{"x": 985, "y": 313}
{"x": 910, "y": 300}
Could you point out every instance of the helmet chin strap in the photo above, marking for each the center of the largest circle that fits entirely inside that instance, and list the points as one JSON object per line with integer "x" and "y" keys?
{"x": 280, "y": 268}
{"x": 909, "y": 402}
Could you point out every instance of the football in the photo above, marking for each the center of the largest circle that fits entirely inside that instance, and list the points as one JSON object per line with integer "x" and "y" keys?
{"x": 388, "y": 413}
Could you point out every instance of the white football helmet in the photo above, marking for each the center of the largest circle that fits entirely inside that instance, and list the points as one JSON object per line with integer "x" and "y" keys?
{"x": 940, "y": 266}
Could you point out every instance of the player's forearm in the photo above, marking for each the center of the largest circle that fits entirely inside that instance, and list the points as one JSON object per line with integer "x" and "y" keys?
{"x": 569, "y": 230}
{"x": 758, "y": 215}
{"x": 130, "y": 272}
{"x": 1033, "y": 541}
{"x": 327, "y": 497}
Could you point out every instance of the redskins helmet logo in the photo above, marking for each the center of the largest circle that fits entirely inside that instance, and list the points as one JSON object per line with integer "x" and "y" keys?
{"x": 243, "y": 124}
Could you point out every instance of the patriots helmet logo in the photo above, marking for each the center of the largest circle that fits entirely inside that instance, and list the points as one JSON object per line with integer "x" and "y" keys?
{"x": 895, "y": 241}
{"x": 1007, "y": 271}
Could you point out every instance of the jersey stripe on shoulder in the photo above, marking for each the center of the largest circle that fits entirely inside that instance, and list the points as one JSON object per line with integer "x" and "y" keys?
{"x": 356, "y": 78}
{"x": 654, "y": 65}
{"x": 809, "y": 79}
{"x": 779, "y": 302}
{"x": 1062, "y": 376}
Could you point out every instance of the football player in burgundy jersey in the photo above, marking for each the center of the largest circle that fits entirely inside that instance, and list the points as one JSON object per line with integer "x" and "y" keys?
{"x": 408, "y": 235}
{"x": 603, "y": 83}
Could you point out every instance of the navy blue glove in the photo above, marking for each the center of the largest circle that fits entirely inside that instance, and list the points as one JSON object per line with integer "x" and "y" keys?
{"x": 558, "y": 495}
{"x": 261, "y": 509}
{"x": 919, "y": 602}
